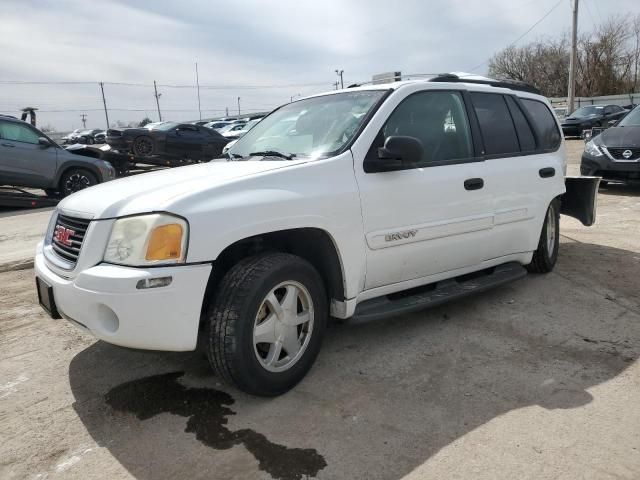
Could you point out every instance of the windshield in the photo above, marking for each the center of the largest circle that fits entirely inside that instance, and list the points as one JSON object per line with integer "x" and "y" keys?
{"x": 632, "y": 119}
{"x": 589, "y": 111}
{"x": 316, "y": 127}
{"x": 162, "y": 126}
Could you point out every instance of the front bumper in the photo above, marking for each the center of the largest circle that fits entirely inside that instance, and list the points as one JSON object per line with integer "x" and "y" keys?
{"x": 104, "y": 301}
{"x": 119, "y": 143}
{"x": 573, "y": 130}
{"x": 608, "y": 169}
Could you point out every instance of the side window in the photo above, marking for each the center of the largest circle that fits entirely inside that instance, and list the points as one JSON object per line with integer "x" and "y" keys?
{"x": 523, "y": 129}
{"x": 608, "y": 110}
{"x": 496, "y": 125}
{"x": 544, "y": 121}
{"x": 436, "y": 118}
{"x": 18, "y": 133}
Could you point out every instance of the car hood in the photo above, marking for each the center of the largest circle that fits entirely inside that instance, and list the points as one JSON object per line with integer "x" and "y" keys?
{"x": 620, "y": 137}
{"x": 158, "y": 191}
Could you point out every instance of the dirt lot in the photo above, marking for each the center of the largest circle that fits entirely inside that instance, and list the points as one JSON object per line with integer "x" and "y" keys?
{"x": 536, "y": 380}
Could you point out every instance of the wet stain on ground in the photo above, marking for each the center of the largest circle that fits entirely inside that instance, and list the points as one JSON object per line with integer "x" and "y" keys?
{"x": 207, "y": 411}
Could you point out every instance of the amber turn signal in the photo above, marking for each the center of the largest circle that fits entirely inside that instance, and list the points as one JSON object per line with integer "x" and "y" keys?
{"x": 165, "y": 243}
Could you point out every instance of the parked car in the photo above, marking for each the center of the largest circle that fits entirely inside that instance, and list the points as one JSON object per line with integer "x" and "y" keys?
{"x": 239, "y": 130}
{"x": 67, "y": 139}
{"x": 29, "y": 158}
{"x": 168, "y": 140}
{"x": 100, "y": 137}
{"x": 614, "y": 154}
{"x": 589, "y": 117}
{"x": 367, "y": 208}
{"x": 217, "y": 125}
{"x": 87, "y": 137}
{"x": 231, "y": 126}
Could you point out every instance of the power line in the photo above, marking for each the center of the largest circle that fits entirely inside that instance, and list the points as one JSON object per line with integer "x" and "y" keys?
{"x": 165, "y": 85}
{"x": 524, "y": 34}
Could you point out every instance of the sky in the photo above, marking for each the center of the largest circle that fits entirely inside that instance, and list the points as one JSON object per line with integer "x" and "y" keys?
{"x": 264, "y": 52}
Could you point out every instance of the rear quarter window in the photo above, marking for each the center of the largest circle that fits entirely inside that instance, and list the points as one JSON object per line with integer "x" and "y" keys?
{"x": 496, "y": 125}
{"x": 545, "y": 123}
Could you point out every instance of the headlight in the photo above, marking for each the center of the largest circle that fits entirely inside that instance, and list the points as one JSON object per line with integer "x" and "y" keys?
{"x": 592, "y": 149}
{"x": 153, "y": 239}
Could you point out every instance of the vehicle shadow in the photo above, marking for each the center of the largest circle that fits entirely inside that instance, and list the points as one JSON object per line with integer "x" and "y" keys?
{"x": 383, "y": 397}
{"x": 621, "y": 189}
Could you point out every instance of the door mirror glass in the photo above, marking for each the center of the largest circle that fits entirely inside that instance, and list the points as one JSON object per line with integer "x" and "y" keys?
{"x": 44, "y": 142}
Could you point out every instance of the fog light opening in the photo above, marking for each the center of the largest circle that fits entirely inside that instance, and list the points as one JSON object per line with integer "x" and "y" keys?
{"x": 154, "y": 282}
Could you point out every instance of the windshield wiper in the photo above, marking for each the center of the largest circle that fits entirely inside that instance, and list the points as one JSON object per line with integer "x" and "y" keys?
{"x": 233, "y": 156}
{"x": 272, "y": 153}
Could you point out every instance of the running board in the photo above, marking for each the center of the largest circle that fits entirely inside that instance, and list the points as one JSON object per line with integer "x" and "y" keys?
{"x": 434, "y": 294}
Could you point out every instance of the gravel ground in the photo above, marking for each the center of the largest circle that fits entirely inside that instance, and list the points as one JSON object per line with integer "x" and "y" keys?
{"x": 538, "y": 379}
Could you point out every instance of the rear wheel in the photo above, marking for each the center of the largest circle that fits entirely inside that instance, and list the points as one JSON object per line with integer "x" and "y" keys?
{"x": 266, "y": 323}
{"x": 546, "y": 255}
{"x": 143, "y": 147}
{"x": 90, "y": 141}
{"x": 76, "y": 179}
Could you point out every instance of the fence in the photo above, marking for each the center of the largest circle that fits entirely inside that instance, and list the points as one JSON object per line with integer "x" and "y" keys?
{"x": 622, "y": 100}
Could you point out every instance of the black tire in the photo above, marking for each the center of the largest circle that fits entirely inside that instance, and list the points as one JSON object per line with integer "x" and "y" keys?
{"x": 545, "y": 257}
{"x": 90, "y": 141}
{"x": 143, "y": 146}
{"x": 76, "y": 179}
{"x": 51, "y": 192}
{"x": 603, "y": 183}
{"x": 233, "y": 313}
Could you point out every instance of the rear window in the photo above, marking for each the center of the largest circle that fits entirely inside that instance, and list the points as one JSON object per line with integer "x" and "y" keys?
{"x": 544, "y": 122}
{"x": 496, "y": 125}
{"x": 525, "y": 134}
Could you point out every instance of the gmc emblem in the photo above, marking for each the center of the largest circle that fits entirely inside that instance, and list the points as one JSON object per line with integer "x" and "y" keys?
{"x": 62, "y": 235}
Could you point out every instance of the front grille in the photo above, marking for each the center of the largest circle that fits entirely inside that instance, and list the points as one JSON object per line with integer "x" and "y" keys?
{"x": 617, "y": 153}
{"x": 68, "y": 236}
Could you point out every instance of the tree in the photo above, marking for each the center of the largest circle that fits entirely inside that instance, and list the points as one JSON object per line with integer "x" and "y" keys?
{"x": 608, "y": 61}
{"x": 144, "y": 121}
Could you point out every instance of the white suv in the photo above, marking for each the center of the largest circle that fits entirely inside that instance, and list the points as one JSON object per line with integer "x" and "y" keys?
{"x": 380, "y": 200}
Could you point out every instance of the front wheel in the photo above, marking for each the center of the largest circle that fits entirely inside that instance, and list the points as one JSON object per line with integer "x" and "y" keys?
{"x": 76, "y": 179}
{"x": 546, "y": 255}
{"x": 264, "y": 327}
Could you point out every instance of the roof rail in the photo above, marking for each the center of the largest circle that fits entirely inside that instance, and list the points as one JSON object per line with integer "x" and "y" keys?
{"x": 511, "y": 84}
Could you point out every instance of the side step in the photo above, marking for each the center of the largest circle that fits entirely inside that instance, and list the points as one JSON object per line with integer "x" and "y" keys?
{"x": 436, "y": 293}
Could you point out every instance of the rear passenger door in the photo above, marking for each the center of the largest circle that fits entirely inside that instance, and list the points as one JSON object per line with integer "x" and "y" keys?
{"x": 524, "y": 170}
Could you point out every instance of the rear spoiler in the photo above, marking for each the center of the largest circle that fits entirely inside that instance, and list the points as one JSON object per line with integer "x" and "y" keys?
{"x": 581, "y": 199}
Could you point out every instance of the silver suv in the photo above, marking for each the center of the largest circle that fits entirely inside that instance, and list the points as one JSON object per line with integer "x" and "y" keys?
{"x": 28, "y": 158}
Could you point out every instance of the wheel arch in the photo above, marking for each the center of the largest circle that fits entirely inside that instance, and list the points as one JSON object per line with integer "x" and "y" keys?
{"x": 70, "y": 165}
{"x": 315, "y": 245}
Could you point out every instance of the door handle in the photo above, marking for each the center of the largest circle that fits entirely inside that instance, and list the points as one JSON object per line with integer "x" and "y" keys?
{"x": 8, "y": 145}
{"x": 473, "y": 184}
{"x": 547, "y": 172}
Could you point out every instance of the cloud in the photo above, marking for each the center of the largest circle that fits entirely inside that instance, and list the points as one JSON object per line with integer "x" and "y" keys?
{"x": 245, "y": 42}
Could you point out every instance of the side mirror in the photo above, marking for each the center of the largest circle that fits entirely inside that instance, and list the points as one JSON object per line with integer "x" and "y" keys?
{"x": 44, "y": 142}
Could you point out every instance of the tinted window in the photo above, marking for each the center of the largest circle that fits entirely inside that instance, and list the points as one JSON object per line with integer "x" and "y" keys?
{"x": 545, "y": 123}
{"x": 18, "y": 133}
{"x": 438, "y": 120}
{"x": 496, "y": 125}
{"x": 523, "y": 129}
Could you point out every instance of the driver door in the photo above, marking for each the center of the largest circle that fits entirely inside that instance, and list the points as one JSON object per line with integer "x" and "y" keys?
{"x": 434, "y": 216}
{"x": 23, "y": 161}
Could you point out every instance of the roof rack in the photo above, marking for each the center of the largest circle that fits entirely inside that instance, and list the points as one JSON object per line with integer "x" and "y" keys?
{"x": 511, "y": 84}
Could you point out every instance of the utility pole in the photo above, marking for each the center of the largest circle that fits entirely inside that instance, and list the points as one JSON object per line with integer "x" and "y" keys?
{"x": 238, "y": 106}
{"x": 157, "y": 95}
{"x": 226, "y": 109}
{"x": 84, "y": 120}
{"x": 335, "y": 84}
{"x": 339, "y": 73}
{"x": 104, "y": 102}
{"x": 198, "y": 84}
{"x": 573, "y": 60}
